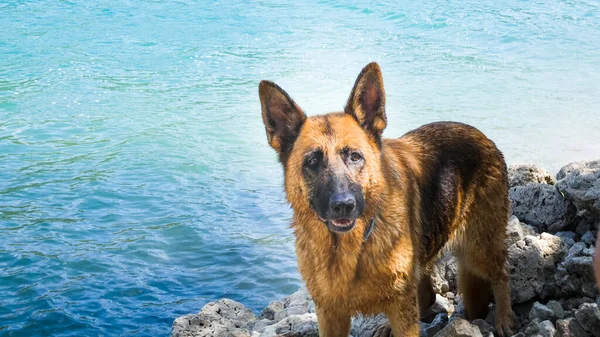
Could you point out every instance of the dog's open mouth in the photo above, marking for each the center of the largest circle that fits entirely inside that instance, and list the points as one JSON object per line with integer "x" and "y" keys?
{"x": 340, "y": 225}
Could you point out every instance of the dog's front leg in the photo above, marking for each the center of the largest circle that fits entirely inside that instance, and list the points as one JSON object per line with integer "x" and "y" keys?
{"x": 333, "y": 322}
{"x": 404, "y": 316}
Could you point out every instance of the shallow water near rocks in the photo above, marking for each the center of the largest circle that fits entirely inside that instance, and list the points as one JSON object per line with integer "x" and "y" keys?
{"x": 136, "y": 183}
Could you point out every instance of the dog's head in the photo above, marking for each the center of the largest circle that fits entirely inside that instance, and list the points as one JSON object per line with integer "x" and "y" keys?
{"x": 332, "y": 162}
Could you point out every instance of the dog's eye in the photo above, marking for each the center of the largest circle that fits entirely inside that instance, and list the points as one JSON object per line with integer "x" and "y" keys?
{"x": 355, "y": 157}
{"x": 313, "y": 160}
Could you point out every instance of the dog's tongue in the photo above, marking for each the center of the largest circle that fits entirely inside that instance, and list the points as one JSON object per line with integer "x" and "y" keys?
{"x": 342, "y": 222}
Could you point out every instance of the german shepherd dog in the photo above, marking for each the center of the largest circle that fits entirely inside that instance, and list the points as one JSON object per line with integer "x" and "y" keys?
{"x": 371, "y": 215}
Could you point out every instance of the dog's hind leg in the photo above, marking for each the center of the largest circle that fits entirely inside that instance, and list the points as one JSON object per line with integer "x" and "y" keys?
{"x": 504, "y": 313}
{"x": 474, "y": 282}
{"x": 483, "y": 258}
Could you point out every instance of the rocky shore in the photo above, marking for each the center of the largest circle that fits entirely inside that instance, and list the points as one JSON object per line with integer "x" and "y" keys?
{"x": 552, "y": 235}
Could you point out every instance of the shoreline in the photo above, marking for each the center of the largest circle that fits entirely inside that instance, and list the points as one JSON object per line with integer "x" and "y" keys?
{"x": 551, "y": 238}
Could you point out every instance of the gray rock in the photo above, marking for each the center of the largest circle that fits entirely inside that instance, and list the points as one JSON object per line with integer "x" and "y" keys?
{"x": 580, "y": 183}
{"x": 261, "y": 324}
{"x": 442, "y": 303}
{"x": 532, "y": 265}
{"x": 201, "y": 325}
{"x": 557, "y": 310}
{"x": 547, "y": 329}
{"x": 539, "y": 328}
{"x": 541, "y": 206}
{"x": 459, "y": 327}
{"x": 551, "y": 311}
{"x": 459, "y": 309}
{"x": 569, "y": 328}
{"x": 583, "y": 225}
{"x": 290, "y": 311}
{"x": 541, "y": 312}
{"x": 588, "y": 316}
{"x": 520, "y": 175}
{"x": 585, "y": 221}
{"x": 522, "y": 314}
{"x": 440, "y": 284}
{"x": 444, "y": 274}
{"x": 589, "y": 289}
{"x": 567, "y": 237}
{"x": 230, "y": 311}
{"x": 451, "y": 308}
{"x": 576, "y": 250}
{"x": 588, "y": 238}
{"x": 271, "y": 309}
{"x": 297, "y": 325}
{"x": 298, "y": 303}
{"x": 574, "y": 303}
{"x": 430, "y": 329}
{"x": 484, "y": 327}
{"x": 223, "y": 318}
{"x": 300, "y": 298}
{"x": 580, "y": 265}
{"x": 575, "y": 275}
{"x": 516, "y": 230}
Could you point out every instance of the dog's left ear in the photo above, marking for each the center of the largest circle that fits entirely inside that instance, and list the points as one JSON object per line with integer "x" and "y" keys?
{"x": 367, "y": 101}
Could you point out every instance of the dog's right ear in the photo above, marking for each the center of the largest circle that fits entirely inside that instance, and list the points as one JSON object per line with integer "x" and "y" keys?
{"x": 281, "y": 116}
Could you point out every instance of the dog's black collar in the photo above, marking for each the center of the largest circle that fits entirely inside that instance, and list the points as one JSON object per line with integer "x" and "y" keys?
{"x": 369, "y": 229}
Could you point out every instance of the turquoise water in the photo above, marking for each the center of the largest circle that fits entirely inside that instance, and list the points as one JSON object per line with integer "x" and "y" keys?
{"x": 136, "y": 183}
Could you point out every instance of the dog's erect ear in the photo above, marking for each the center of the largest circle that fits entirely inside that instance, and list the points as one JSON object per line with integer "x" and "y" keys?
{"x": 367, "y": 101}
{"x": 282, "y": 117}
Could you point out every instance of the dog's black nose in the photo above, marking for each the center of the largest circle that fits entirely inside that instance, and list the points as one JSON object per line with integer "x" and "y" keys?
{"x": 342, "y": 204}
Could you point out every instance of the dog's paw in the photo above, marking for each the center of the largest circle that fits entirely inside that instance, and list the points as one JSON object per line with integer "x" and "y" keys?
{"x": 505, "y": 326}
{"x": 384, "y": 330}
